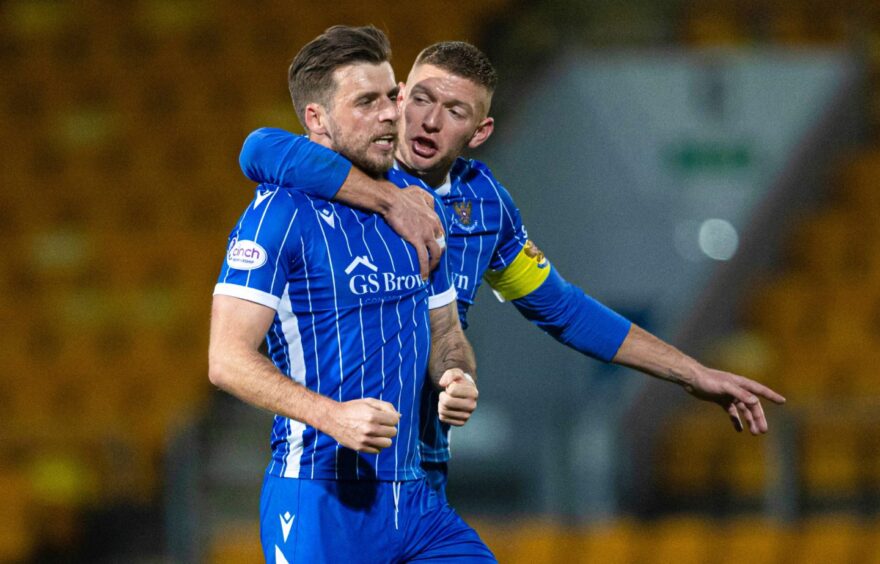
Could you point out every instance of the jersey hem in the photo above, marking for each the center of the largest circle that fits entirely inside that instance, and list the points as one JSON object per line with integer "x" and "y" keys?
{"x": 436, "y": 457}
{"x": 386, "y": 476}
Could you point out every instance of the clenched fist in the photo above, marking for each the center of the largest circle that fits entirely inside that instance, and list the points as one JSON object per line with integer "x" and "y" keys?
{"x": 458, "y": 400}
{"x": 365, "y": 425}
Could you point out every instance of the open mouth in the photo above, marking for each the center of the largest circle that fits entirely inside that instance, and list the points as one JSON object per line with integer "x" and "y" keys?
{"x": 424, "y": 147}
{"x": 385, "y": 142}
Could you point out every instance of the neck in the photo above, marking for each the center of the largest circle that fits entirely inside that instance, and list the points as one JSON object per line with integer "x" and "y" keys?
{"x": 433, "y": 178}
{"x": 322, "y": 140}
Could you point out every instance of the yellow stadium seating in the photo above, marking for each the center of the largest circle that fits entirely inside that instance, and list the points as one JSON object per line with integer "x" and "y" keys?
{"x": 832, "y": 538}
{"x": 747, "y": 466}
{"x": 753, "y": 539}
{"x": 616, "y": 543}
{"x": 236, "y": 543}
{"x": 713, "y": 25}
{"x": 17, "y": 534}
{"x": 689, "y": 452}
{"x": 830, "y": 457}
{"x": 681, "y": 539}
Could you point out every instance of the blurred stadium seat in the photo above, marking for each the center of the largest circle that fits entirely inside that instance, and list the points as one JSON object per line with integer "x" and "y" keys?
{"x": 236, "y": 543}
{"x": 17, "y": 535}
{"x": 752, "y": 538}
{"x": 831, "y": 538}
{"x": 683, "y": 539}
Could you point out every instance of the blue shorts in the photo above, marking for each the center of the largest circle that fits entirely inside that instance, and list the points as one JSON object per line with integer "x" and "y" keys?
{"x": 314, "y": 521}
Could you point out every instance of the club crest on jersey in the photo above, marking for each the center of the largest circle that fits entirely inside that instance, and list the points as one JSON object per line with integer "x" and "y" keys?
{"x": 463, "y": 212}
{"x": 532, "y": 251}
{"x": 464, "y": 215}
{"x": 245, "y": 255}
{"x": 365, "y": 278}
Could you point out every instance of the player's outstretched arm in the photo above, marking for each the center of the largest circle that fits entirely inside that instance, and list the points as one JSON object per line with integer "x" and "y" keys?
{"x": 279, "y": 157}
{"x": 236, "y": 366}
{"x": 740, "y": 397}
{"x": 452, "y": 366}
{"x": 575, "y": 319}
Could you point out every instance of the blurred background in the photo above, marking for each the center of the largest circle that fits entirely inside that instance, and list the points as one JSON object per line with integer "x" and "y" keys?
{"x": 707, "y": 168}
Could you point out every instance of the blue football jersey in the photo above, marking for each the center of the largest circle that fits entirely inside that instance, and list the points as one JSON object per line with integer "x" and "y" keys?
{"x": 485, "y": 233}
{"x": 351, "y": 322}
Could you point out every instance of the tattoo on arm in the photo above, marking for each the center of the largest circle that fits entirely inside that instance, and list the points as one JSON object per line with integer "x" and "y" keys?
{"x": 449, "y": 347}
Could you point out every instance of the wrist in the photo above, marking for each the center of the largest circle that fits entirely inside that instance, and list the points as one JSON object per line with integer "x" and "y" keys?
{"x": 687, "y": 373}
{"x": 387, "y": 198}
{"x": 322, "y": 413}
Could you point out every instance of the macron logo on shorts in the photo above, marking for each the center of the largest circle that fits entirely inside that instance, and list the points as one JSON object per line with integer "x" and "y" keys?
{"x": 245, "y": 255}
{"x": 279, "y": 556}
{"x": 286, "y": 523}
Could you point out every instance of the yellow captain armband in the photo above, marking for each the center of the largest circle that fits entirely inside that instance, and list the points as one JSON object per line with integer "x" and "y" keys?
{"x": 522, "y": 276}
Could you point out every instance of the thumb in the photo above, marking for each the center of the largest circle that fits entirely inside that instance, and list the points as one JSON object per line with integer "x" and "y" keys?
{"x": 381, "y": 405}
{"x": 450, "y": 376}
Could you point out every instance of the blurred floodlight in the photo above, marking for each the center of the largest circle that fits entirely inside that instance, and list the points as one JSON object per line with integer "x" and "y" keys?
{"x": 718, "y": 239}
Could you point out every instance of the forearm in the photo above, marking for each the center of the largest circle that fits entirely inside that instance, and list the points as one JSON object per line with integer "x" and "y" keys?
{"x": 279, "y": 157}
{"x": 363, "y": 191}
{"x": 252, "y": 378}
{"x": 282, "y": 158}
{"x": 648, "y": 354}
{"x": 451, "y": 350}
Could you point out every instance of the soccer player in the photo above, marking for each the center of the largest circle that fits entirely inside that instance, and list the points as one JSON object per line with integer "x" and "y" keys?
{"x": 352, "y": 329}
{"x": 444, "y": 107}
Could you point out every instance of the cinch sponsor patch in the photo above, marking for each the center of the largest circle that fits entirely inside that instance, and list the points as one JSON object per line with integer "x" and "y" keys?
{"x": 245, "y": 255}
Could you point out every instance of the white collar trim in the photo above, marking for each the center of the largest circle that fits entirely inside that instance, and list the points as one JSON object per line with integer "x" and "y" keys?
{"x": 441, "y": 190}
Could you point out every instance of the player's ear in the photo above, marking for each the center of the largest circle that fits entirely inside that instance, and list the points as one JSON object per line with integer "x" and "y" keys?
{"x": 401, "y": 94}
{"x": 316, "y": 119}
{"x": 484, "y": 130}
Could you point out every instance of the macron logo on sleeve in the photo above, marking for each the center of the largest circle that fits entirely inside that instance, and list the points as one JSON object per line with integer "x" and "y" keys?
{"x": 262, "y": 195}
{"x": 327, "y": 216}
{"x": 245, "y": 255}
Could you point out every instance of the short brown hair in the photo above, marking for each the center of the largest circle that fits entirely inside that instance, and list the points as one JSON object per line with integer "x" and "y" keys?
{"x": 310, "y": 76}
{"x": 462, "y": 59}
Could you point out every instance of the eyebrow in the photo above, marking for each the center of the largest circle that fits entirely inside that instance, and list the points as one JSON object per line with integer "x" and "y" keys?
{"x": 454, "y": 102}
{"x": 373, "y": 95}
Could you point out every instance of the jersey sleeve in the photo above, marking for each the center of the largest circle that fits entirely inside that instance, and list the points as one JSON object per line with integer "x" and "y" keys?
{"x": 279, "y": 157}
{"x": 512, "y": 235}
{"x": 517, "y": 266}
{"x": 258, "y": 254}
{"x": 441, "y": 291}
{"x": 573, "y": 318}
